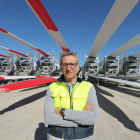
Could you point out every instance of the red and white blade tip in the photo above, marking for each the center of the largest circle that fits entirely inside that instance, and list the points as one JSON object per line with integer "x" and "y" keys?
{"x": 3, "y": 55}
{"x": 3, "y": 90}
{"x": 2, "y": 30}
{"x": 22, "y": 41}
{"x": 26, "y": 84}
{"x": 42, "y": 14}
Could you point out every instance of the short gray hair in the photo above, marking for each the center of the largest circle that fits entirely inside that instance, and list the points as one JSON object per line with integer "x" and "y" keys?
{"x": 63, "y": 54}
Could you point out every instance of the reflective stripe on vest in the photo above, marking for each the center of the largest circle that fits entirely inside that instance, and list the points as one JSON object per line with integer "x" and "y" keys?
{"x": 78, "y": 98}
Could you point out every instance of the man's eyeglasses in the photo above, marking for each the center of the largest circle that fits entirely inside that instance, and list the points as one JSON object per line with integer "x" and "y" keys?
{"x": 72, "y": 65}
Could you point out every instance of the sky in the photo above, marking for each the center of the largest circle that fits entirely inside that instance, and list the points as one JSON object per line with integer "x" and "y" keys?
{"x": 78, "y": 21}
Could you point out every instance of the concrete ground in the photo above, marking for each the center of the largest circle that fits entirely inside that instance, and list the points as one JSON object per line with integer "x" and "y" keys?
{"x": 22, "y": 114}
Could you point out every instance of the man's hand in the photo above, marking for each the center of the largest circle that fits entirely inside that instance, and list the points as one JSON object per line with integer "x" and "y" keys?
{"x": 88, "y": 107}
{"x": 56, "y": 111}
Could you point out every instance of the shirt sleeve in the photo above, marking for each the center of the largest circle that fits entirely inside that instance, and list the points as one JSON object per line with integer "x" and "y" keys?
{"x": 50, "y": 117}
{"x": 85, "y": 117}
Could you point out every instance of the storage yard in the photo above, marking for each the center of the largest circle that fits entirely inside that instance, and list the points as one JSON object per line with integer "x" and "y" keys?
{"x": 22, "y": 114}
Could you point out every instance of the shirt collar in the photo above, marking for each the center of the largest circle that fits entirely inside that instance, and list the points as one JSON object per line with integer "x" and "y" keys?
{"x": 72, "y": 85}
{"x": 62, "y": 79}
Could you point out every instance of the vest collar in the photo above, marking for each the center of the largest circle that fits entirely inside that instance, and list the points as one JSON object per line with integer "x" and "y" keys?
{"x": 61, "y": 79}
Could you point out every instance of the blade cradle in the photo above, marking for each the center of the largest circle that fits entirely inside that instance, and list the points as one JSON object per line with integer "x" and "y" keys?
{"x": 113, "y": 59}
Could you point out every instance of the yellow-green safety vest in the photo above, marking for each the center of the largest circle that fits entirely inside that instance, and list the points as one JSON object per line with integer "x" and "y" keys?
{"x": 78, "y": 98}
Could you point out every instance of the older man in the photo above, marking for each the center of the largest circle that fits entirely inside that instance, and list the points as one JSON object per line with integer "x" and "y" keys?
{"x": 71, "y": 106}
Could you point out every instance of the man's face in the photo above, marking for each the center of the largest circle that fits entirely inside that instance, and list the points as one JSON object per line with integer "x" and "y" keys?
{"x": 69, "y": 72}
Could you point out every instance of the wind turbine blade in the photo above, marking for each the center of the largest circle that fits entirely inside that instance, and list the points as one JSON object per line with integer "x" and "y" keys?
{"x": 134, "y": 84}
{"x": 15, "y": 77}
{"x": 26, "y": 84}
{"x": 14, "y": 51}
{"x": 42, "y": 14}
{"x": 116, "y": 16}
{"x": 137, "y": 54}
{"x": 3, "y": 55}
{"x": 56, "y": 61}
{"x": 127, "y": 46}
{"x": 22, "y": 41}
{"x": 126, "y": 77}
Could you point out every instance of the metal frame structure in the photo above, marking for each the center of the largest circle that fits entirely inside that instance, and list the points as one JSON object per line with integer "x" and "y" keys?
{"x": 10, "y": 65}
{"x": 91, "y": 66}
{"x": 27, "y": 64}
{"x": 3, "y": 61}
{"x": 111, "y": 66}
{"x": 45, "y": 64}
{"x": 19, "y": 63}
{"x": 130, "y": 66}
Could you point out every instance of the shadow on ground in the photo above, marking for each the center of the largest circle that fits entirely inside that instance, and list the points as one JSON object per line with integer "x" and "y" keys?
{"x": 129, "y": 91}
{"x": 23, "y": 102}
{"x": 41, "y": 132}
{"x": 36, "y": 87}
{"x": 114, "y": 110}
{"x": 104, "y": 103}
{"x": 32, "y": 88}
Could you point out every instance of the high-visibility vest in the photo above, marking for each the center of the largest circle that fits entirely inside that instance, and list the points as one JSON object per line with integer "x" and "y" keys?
{"x": 78, "y": 98}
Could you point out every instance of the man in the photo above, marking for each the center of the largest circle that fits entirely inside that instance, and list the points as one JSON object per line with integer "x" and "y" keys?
{"x": 71, "y": 106}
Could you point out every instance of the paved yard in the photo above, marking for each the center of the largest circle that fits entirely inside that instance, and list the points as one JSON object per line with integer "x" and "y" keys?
{"x": 22, "y": 114}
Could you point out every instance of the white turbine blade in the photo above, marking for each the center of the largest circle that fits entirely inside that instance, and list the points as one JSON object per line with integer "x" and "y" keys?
{"x": 22, "y": 41}
{"x": 127, "y": 46}
{"x": 56, "y": 61}
{"x": 13, "y": 51}
{"x": 116, "y": 16}
{"x": 137, "y": 54}
{"x": 126, "y": 77}
{"x": 4, "y": 77}
{"x": 4, "y": 48}
{"x": 42, "y": 14}
{"x": 134, "y": 84}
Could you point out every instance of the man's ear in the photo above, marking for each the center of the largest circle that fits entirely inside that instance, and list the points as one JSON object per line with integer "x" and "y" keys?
{"x": 78, "y": 67}
{"x": 61, "y": 68}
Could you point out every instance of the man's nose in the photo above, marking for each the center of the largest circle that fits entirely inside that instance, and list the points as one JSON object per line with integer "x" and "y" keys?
{"x": 68, "y": 67}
